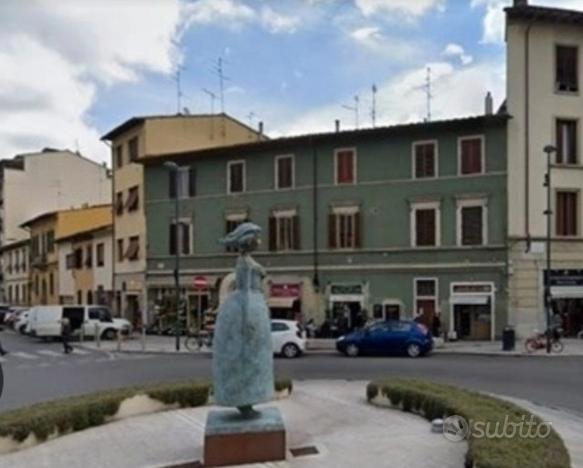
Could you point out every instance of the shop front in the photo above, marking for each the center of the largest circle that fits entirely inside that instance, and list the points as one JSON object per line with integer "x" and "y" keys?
{"x": 285, "y": 300}
{"x": 346, "y": 303}
{"x": 472, "y": 311}
{"x": 567, "y": 298}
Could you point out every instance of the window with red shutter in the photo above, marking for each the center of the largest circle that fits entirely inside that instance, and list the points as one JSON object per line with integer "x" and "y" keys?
{"x": 425, "y": 160}
{"x": 345, "y": 165}
{"x": 425, "y": 227}
{"x": 566, "y": 219}
{"x": 471, "y": 156}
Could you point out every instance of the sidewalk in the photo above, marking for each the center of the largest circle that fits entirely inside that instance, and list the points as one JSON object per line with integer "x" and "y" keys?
{"x": 573, "y": 347}
{"x": 335, "y": 419}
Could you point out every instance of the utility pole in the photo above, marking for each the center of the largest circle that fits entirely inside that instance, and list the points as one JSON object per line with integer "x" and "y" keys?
{"x": 549, "y": 150}
{"x": 373, "y": 112}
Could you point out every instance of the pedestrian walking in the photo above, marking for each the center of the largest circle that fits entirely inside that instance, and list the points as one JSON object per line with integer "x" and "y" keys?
{"x": 436, "y": 325}
{"x": 3, "y": 352}
{"x": 66, "y": 335}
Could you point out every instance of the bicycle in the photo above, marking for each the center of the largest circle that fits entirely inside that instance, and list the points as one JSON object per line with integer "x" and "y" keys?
{"x": 539, "y": 341}
{"x": 197, "y": 341}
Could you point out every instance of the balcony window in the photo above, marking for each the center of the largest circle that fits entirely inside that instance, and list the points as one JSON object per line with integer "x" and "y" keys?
{"x": 284, "y": 230}
{"x": 344, "y": 228}
{"x": 133, "y": 251}
{"x": 180, "y": 236}
{"x": 232, "y": 221}
{"x": 567, "y": 142}
{"x": 566, "y": 218}
{"x": 567, "y": 69}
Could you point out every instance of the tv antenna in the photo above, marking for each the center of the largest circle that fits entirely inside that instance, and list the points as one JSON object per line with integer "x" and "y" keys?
{"x": 373, "y": 112}
{"x": 428, "y": 94}
{"x": 219, "y": 71}
{"x": 177, "y": 79}
{"x": 250, "y": 117}
{"x": 354, "y": 108}
{"x": 213, "y": 97}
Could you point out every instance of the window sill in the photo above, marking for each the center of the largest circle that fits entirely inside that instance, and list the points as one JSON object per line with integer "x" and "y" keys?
{"x": 567, "y": 166}
{"x": 425, "y": 178}
{"x": 471, "y": 174}
{"x": 567, "y": 93}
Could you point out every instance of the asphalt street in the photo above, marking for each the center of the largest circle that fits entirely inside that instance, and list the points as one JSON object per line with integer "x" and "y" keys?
{"x": 35, "y": 371}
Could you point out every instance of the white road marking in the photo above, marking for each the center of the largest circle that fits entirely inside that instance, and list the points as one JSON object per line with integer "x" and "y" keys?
{"x": 49, "y": 352}
{"x": 82, "y": 352}
{"x": 22, "y": 354}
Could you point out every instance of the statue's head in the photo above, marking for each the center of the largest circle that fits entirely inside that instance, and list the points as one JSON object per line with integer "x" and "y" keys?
{"x": 245, "y": 237}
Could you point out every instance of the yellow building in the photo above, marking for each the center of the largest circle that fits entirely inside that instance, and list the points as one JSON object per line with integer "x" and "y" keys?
{"x": 47, "y": 260}
{"x": 139, "y": 138}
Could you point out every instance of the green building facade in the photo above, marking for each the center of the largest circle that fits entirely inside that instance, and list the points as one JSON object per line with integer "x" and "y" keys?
{"x": 399, "y": 221}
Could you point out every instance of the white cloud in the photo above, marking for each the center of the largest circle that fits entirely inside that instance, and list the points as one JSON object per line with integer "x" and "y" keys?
{"x": 494, "y": 18}
{"x": 55, "y": 55}
{"x": 277, "y": 22}
{"x": 228, "y": 12}
{"x": 406, "y": 7}
{"x": 456, "y": 50}
{"x": 457, "y": 92}
{"x": 375, "y": 41}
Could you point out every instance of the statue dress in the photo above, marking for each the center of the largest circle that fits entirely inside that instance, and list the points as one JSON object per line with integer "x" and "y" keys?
{"x": 242, "y": 346}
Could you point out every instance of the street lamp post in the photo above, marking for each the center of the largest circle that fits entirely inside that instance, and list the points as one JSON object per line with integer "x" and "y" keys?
{"x": 549, "y": 150}
{"x": 173, "y": 168}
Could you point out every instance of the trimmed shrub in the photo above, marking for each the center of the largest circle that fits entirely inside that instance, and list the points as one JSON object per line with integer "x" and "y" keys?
{"x": 440, "y": 401}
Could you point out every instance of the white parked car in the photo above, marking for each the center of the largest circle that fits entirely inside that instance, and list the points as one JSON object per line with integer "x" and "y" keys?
{"x": 21, "y": 321}
{"x": 289, "y": 339}
{"x": 45, "y": 321}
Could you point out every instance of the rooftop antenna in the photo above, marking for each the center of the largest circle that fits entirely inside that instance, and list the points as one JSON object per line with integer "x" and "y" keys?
{"x": 250, "y": 117}
{"x": 354, "y": 108}
{"x": 212, "y": 97}
{"x": 373, "y": 112}
{"x": 222, "y": 78}
{"x": 427, "y": 88}
{"x": 179, "y": 95}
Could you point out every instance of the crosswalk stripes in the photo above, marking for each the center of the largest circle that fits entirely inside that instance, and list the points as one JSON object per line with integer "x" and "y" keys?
{"x": 82, "y": 352}
{"x": 49, "y": 352}
{"x": 22, "y": 354}
{"x": 55, "y": 357}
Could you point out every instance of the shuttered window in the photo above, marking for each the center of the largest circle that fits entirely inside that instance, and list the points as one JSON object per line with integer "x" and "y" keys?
{"x": 183, "y": 239}
{"x": 284, "y": 172}
{"x": 344, "y": 230}
{"x": 567, "y": 222}
{"x": 425, "y": 165}
{"x": 133, "y": 149}
{"x": 472, "y": 225}
{"x": 284, "y": 232}
{"x": 425, "y": 227}
{"x": 236, "y": 176}
{"x": 133, "y": 252}
{"x": 471, "y": 156}
{"x": 119, "y": 203}
{"x": 345, "y": 167}
{"x": 567, "y": 73}
{"x": 133, "y": 201}
{"x": 567, "y": 141}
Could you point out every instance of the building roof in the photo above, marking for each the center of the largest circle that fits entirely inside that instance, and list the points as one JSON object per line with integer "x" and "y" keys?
{"x": 135, "y": 121}
{"x": 346, "y": 136}
{"x": 544, "y": 14}
{"x": 76, "y": 221}
{"x": 14, "y": 245}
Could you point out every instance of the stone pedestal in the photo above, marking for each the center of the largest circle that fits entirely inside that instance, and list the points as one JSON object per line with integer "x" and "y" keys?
{"x": 230, "y": 439}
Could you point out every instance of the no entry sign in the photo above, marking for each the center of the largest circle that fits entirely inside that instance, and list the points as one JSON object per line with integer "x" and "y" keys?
{"x": 200, "y": 282}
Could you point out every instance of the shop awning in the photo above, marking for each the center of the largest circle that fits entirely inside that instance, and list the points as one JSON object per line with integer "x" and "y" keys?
{"x": 470, "y": 299}
{"x": 567, "y": 292}
{"x": 281, "y": 302}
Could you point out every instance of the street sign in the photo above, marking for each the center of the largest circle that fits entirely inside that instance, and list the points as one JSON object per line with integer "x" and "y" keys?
{"x": 200, "y": 282}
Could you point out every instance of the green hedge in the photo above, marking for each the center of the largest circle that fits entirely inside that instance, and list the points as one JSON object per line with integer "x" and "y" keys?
{"x": 85, "y": 411}
{"x": 437, "y": 401}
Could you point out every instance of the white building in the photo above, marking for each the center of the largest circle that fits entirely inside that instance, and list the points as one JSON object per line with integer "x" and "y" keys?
{"x": 545, "y": 100}
{"x": 51, "y": 180}
{"x": 16, "y": 261}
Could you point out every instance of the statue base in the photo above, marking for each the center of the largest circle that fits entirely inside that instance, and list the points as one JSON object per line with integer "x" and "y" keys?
{"x": 231, "y": 439}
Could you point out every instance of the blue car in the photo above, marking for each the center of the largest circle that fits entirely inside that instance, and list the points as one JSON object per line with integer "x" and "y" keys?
{"x": 396, "y": 337}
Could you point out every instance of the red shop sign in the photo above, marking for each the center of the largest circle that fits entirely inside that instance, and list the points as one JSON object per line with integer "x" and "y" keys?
{"x": 285, "y": 290}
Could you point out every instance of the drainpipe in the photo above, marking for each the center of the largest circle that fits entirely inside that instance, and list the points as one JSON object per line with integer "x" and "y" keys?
{"x": 527, "y": 136}
{"x": 316, "y": 279}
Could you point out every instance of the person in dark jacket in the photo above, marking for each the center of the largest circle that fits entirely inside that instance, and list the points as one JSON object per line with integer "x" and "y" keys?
{"x": 436, "y": 325}
{"x": 3, "y": 352}
{"x": 66, "y": 335}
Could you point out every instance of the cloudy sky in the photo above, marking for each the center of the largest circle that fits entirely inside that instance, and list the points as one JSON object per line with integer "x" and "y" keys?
{"x": 70, "y": 70}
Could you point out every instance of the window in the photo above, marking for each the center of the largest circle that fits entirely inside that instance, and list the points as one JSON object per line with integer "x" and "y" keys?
{"x": 118, "y": 156}
{"x": 284, "y": 231}
{"x": 51, "y": 284}
{"x": 78, "y": 259}
{"x": 133, "y": 149}
{"x": 279, "y": 327}
{"x": 79, "y": 297}
{"x": 89, "y": 297}
{"x": 425, "y": 299}
{"x": 567, "y": 222}
{"x": 471, "y": 155}
{"x": 567, "y": 66}
{"x": 133, "y": 252}
{"x": 9, "y": 294}
{"x": 425, "y": 159}
{"x": 472, "y": 222}
{"x": 182, "y": 237}
{"x": 70, "y": 261}
{"x": 120, "y": 251}
{"x": 567, "y": 141}
{"x": 344, "y": 228}
{"x": 345, "y": 166}
{"x": 133, "y": 202}
{"x": 51, "y": 241}
{"x": 100, "y": 254}
{"x": 236, "y": 176}
{"x": 284, "y": 172}
{"x": 425, "y": 225}
{"x": 232, "y": 221}
{"x": 191, "y": 182}
{"x": 89, "y": 256}
{"x": 119, "y": 203}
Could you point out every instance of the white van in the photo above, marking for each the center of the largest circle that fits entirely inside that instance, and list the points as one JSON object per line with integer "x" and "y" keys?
{"x": 45, "y": 321}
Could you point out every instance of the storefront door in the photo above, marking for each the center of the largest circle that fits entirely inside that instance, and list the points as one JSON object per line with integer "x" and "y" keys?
{"x": 472, "y": 322}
